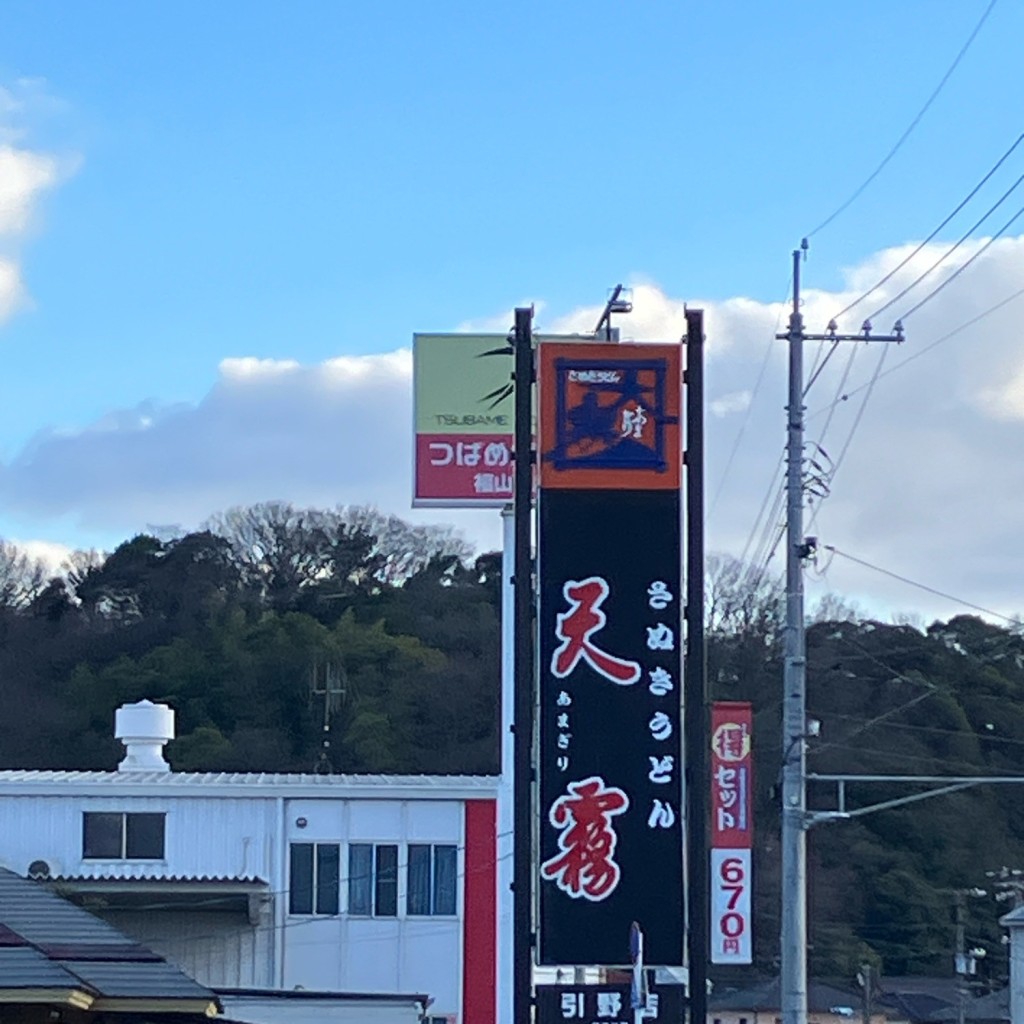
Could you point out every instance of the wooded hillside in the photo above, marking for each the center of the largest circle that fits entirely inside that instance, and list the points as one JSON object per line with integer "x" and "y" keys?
{"x": 273, "y": 621}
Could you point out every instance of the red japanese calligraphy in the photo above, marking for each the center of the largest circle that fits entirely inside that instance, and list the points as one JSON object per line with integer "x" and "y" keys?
{"x": 584, "y": 867}
{"x": 731, "y": 741}
{"x": 575, "y": 629}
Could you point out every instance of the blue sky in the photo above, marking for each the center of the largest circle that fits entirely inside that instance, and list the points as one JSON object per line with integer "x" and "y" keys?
{"x": 306, "y": 181}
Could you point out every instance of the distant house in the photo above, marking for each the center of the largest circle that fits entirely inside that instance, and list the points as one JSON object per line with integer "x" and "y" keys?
{"x": 59, "y": 962}
{"x": 762, "y": 1004}
{"x": 993, "y": 1008}
{"x": 915, "y": 1000}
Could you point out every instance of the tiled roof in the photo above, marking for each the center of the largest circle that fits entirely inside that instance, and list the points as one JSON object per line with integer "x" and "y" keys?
{"x": 48, "y": 943}
{"x": 914, "y": 1006}
{"x": 159, "y": 980}
{"x": 993, "y": 1007}
{"x": 766, "y": 996}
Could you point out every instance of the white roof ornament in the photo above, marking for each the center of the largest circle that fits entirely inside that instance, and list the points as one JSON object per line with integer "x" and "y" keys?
{"x": 144, "y": 728}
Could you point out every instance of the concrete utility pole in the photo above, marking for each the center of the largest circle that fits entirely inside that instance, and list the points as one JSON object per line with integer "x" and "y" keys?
{"x": 793, "y": 981}
{"x": 961, "y": 955}
{"x": 965, "y": 960}
{"x": 867, "y": 982}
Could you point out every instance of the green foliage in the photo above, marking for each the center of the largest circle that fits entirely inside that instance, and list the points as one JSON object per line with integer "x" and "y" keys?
{"x": 297, "y": 640}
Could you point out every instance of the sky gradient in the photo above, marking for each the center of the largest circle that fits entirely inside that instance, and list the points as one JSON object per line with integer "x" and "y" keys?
{"x": 221, "y": 224}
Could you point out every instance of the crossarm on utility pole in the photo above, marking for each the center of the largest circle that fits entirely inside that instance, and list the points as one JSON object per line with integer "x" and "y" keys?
{"x": 944, "y": 784}
{"x": 823, "y": 817}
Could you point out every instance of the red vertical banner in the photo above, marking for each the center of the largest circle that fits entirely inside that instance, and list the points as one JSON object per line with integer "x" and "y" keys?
{"x": 732, "y": 829}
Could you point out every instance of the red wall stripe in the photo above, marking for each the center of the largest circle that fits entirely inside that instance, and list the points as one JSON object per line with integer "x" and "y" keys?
{"x": 480, "y": 914}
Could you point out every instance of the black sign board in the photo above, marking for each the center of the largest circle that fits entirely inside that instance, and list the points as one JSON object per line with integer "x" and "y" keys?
{"x": 607, "y": 1004}
{"x": 610, "y": 641}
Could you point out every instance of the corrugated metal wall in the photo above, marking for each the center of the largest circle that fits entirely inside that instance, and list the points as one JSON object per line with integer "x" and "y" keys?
{"x": 217, "y": 949}
{"x": 205, "y": 837}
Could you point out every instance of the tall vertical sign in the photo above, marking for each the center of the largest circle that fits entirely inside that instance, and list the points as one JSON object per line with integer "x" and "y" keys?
{"x": 732, "y": 831}
{"x": 610, "y": 641}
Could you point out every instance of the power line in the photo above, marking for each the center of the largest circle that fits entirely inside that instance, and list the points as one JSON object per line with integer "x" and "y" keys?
{"x": 768, "y": 522}
{"x": 956, "y": 273}
{"x": 956, "y": 245}
{"x": 750, "y": 405}
{"x": 965, "y": 767}
{"x": 771, "y": 527}
{"x": 927, "y": 348}
{"x": 922, "y": 586}
{"x": 930, "y": 729}
{"x": 299, "y": 921}
{"x": 853, "y": 429}
{"x": 839, "y": 391}
{"x": 899, "y": 266}
{"x": 913, "y": 124}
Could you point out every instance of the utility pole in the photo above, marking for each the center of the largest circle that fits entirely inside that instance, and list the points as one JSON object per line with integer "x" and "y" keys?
{"x": 966, "y": 961}
{"x": 793, "y": 981}
{"x": 1009, "y": 885}
{"x": 867, "y": 992}
{"x": 961, "y": 955}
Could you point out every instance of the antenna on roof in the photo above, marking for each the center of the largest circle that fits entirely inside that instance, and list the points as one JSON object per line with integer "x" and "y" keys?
{"x": 327, "y": 680}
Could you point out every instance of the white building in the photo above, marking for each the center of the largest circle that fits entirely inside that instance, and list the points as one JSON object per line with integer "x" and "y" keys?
{"x": 328, "y": 883}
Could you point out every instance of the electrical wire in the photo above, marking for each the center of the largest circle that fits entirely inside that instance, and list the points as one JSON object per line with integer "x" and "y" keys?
{"x": 775, "y": 489}
{"x": 742, "y": 429}
{"x": 899, "y": 266}
{"x": 839, "y": 390}
{"x": 913, "y": 124}
{"x": 298, "y": 921}
{"x": 753, "y": 398}
{"x": 959, "y": 270}
{"x": 956, "y": 245}
{"x": 767, "y": 561}
{"x": 853, "y": 429}
{"x": 934, "y": 729}
{"x": 966, "y": 768}
{"x": 877, "y": 720}
{"x": 927, "y": 348}
{"x": 922, "y": 586}
{"x": 772, "y": 532}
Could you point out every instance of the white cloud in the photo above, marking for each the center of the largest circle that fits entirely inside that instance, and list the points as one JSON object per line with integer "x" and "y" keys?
{"x": 338, "y": 432}
{"x": 12, "y": 291}
{"x": 500, "y": 323}
{"x": 25, "y": 175}
{"x": 735, "y": 401}
{"x": 51, "y": 555}
{"x": 930, "y": 485}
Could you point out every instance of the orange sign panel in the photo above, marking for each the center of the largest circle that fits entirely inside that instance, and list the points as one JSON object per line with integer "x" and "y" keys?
{"x": 610, "y": 416}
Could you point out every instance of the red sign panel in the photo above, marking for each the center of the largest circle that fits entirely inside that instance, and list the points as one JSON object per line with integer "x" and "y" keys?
{"x": 731, "y": 775}
{"x": 609, "y": 416}
{"x": 457, "y": 469}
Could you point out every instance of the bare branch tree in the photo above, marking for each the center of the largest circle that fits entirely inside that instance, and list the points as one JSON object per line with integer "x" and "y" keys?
{"x": 21, "y": 577}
